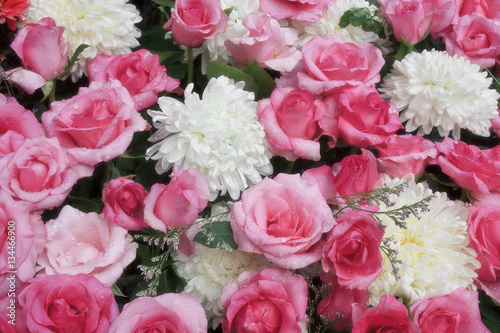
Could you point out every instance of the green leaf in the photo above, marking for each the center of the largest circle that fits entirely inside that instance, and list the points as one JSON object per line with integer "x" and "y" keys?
{"x": 216, "y": 235}
{"x": 116, "y": 291}
{"x": 47, "y": 89}
{"x": 228, "y": 10}
{"x": 216, "y": 69}
{"x": 166, "y": 3}
{"x": 265, "y": 81}
{"x": 74, "y": 58}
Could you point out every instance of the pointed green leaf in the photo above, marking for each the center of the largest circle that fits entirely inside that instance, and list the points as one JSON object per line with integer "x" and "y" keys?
{"x": 216, "y": 235}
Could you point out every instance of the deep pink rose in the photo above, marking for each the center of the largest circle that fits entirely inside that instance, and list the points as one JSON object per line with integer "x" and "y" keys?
{"x": 337, "y": 304}
{"x": 124, "y": 203}
{"x": 16, "y": 125}
{"x": 178, "y": 203}
{"x": 356, "y": 173}
{"x": 194, "y": 21}
{"x": 404, "y": 154}
{"x": 475, "y": 38}
{"x": 329, "y": 64}
{"x": 86, "y": 243}
{"x": 300, "y": 10}
{"x": 68, "y": 303}
{"x": 352, "y": 250}
{"x": 39, "y": 172}
{"x": 410, "y": 19}
{"x": 390, "y": 315}
{"x": 266, "y": 42}
{"x": 165, "y": 313}
{"x": 365, "y": 119}
{"x": 95, "y": 125}
{"x": 488, "y": 8}
{"x": 470, "y": 167}
{"x": 274, "y": 300}
{"x": 455, "y": 312}
{"x": 284, "y": 219}
{"x": 292, "y": 120}
{"x": 10, "y": 314}
{"x": 140, "y": 72}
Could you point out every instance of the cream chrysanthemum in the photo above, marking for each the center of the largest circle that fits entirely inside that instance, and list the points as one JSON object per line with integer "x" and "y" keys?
{"x": 433, "y": 249}
{"x": 218, "y": 135}
{"x": 434, "y": 89}
{"x": 107, "y": 26}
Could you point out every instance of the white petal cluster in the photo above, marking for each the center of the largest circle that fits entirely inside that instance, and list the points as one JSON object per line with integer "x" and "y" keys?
{"x": 107, "y": 26}
{"x": 434, "y": 89}
{"x": 218, "y": 134}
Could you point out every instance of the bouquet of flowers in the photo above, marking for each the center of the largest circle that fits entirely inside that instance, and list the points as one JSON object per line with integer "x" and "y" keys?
{"x": 249, "y": 166}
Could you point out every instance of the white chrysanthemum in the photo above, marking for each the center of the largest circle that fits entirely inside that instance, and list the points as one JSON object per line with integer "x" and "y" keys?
{"x": 434, "y": 249}
{"x": 107, "y": 26}
{"x": 434, "y": 89}
{"x": 329, "y": 24}
{"x": 218, "y": 134}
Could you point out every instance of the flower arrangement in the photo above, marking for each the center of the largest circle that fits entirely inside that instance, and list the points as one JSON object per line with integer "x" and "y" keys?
{"x": 249, "y": 166}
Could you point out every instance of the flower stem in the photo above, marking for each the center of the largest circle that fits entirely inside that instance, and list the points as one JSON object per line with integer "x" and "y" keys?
{"x": 190, "y": 65}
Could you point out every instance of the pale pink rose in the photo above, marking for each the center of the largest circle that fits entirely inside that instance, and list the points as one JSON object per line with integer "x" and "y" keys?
{"x": 165, "y": 313}
{"x": 178, "y": 203}
{"x": 284, "y": 219}
{"x": 26, "y": 79}
{"x": 330, "y": 64}
{"x": 95, "y": 125}
{"x": 455, "y": 312}
{"x": 300, "y": 10}
{"x": 339, "y": 301}
{"x": 16, "y": 125}
{"x": 401, "y": 155}
{"x": 269, "y": 301}
{"x": 390, "y": 315}
{"x": 292, "y": 120}
{"x": 475, "y": 38}
{"x": 410, "y": 19}
{"x": 356, "y": 173}
{"x": 42, "y": 48}
{"x": 140, "y": 72}
{"x": 352, "y": 250}
{"x": 124, "y": 203}
{"x": 323, "y": 176}
{"x": 365, "y": 119}
{"x": 446, "y": 13}
{"x": 470, "y": 167}
{"x": 266, "y": 42}
{"x": 488, "y": 8}
{"x": 194, "y": 21}
{"x": 39, "y": 172}
{"x": 68, "y": 303}
{"x": 86, "y": 243}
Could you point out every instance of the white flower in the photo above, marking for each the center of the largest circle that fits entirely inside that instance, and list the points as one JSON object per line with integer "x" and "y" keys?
{"x": 218, "y": 134}
{"x": 107, "y": 26}
{"x": 434, "y": 89}
{"x": 434, "y": 249}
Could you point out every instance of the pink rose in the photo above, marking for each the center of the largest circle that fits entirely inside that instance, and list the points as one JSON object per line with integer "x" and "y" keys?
{"x": 269, "y": 301}
{"x": 194, "y": 21}
{"x": 266, "y": 42}
{"x": 323, "y": 176}
{"x": 140, "y": 72}
{"x": 488, "y": 8}
{"x": 26, "y": 79}
{"x": 284, "y": 219}
{"x": 356, "y": 173}
{"x": 410, "y": 19}
{"x": 95, "y": 125}
{"x": 165, "y": 313}
{"x": 390, "y": 315}
{"x": 16, "y": 125}
{"x": 39, "y": 172}
{"x": 68, "y": 303}
{"x": 86, "y": 243}
{"x": 455, "y": 312}
{"x": 124, "y": 203}
{"x": 178, "y": 203}
{"x": 470, "y": 167}
{"x": 300, "y": 10}
{"x": 352, "y": 250}
{"x": 338, "y": 302}
{"x": 365, "y": 119}
{"x": 292, "y": 120}
{"x": 404, "y": 154}
{"x": 475, "y": 38}
{"x": 446, "y": 13}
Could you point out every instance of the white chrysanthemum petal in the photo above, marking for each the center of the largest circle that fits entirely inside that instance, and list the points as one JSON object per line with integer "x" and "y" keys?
{"x": 107, "y": 26}
{"x": 218, "y": 134}
{"x": 433, "y": 89}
